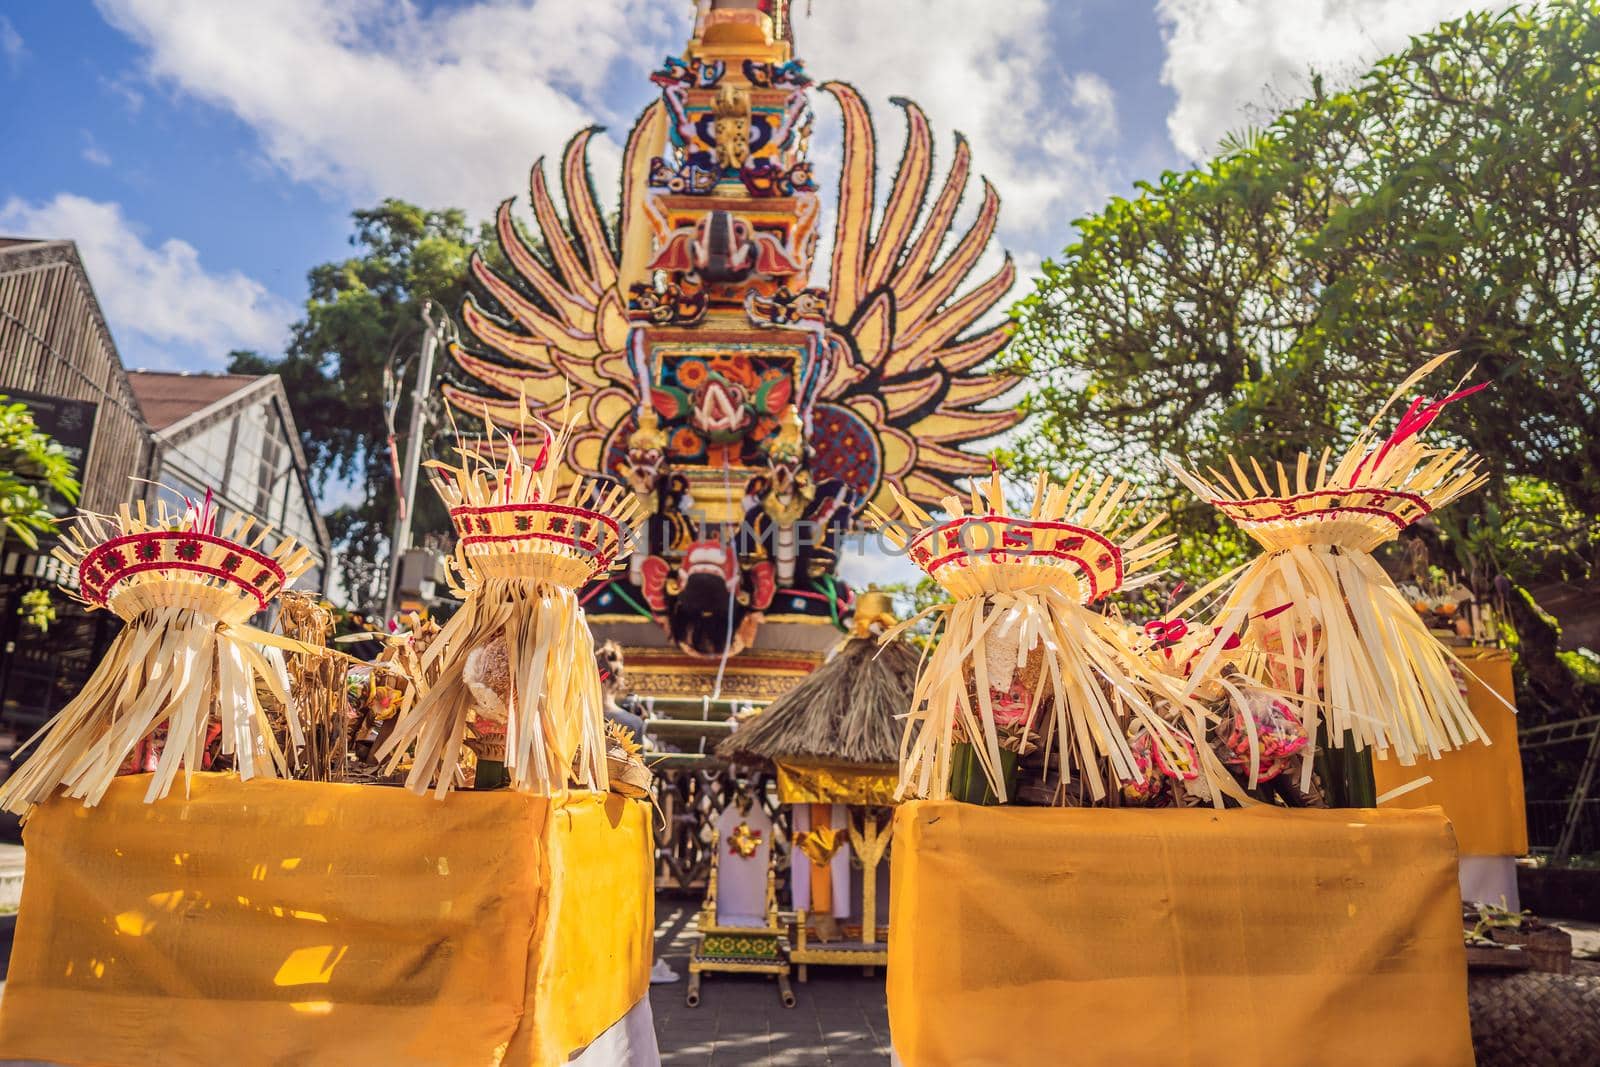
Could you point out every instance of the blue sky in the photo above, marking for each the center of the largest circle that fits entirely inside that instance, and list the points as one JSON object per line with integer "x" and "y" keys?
{"x": 205, "y": 153}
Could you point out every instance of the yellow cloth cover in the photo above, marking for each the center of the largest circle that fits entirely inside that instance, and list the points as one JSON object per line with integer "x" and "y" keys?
{"x": 277, "y": 922}
{"x": 820, "y": 782}
{"x": 1478, "y": 786}
{"x": 1244, "y": 938}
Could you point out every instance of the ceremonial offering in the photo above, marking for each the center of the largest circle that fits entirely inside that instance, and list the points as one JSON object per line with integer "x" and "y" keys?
{"x": 1343, "y": 638}
{"x": 1022, "y": 658}
{"x": 625, "y": 767}
{"x": 505, "y": 661}
{"x": 315, "y": 720}
{"x": 376, "y": 693}
{"x": 186, "y": 593}
{"x": 1260, "y": 734}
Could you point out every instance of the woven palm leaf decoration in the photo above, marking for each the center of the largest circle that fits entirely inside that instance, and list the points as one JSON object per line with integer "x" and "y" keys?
{"x": 1344, "y": 639}
{"x": 524, "y": 546}
{"x": 1022, "y": 586}
{"x": 186, "y": 592}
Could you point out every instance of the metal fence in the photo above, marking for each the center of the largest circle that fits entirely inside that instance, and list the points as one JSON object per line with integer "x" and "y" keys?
{"x": 1546, "y": 818}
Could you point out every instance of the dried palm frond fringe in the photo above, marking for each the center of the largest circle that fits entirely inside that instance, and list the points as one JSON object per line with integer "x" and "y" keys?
{"x": 317, "y": 734}
{"x": 1028, "y": 580}
{"x": 847, "y": 709}
{"x": 524, "y": 547}
{"x": 1343, "y": 639}
{"x": 186, "y": 653}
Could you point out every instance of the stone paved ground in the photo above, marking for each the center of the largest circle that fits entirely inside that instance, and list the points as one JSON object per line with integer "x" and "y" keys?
{"x": 841, "y": 1018}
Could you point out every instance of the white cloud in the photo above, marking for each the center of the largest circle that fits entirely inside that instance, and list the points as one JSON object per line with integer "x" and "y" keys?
{"x": 866, "y": 559}
{"x": 450, "y": 107}
{"x": 378, "y": 99}
{"x": 11, "y": 46}
{"x": 164, "y": 306}
{"x": 120, "y": 87}
{"x": 92, "y": 153}
{"x": 1223, "y": 55}
{"x": 994, "y": 71}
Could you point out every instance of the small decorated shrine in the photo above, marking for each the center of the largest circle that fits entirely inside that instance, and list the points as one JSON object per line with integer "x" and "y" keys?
{"x": 833, "y": 741}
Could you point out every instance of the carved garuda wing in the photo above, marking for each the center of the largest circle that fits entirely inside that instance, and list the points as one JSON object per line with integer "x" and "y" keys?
{"x": 561, "y": 336}
{"x": 897, "y": 320}
{"x": 900, "y": 328}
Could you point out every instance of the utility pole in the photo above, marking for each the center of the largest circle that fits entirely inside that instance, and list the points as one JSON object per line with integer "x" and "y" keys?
{"x": 434, "y": 334}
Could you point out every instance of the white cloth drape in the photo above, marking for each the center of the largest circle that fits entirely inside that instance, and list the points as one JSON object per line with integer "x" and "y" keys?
{"x": 1486, "y": 879}
{"x": 630, "y": 1042}
{"x": 742, "y": 880}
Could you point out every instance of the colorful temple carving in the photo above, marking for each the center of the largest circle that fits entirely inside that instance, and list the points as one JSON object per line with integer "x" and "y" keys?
{"x": 753, "y": 412}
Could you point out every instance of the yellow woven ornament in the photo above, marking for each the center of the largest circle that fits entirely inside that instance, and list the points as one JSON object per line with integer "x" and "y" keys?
{"x": 186, "y": 593}
{"x": 524, "y": 547}
{"x": 1020, "y": 652}
{"x": 1337, "y": 632}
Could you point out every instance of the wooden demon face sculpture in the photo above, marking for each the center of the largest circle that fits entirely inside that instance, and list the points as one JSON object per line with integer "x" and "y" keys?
{"x": 707, "y": 602}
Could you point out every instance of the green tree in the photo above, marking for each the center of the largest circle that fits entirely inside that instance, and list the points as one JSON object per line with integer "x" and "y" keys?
{"x": 31, "y": 464}
{"x": 1266, "y": 302}
{"x": 361, "y": 314}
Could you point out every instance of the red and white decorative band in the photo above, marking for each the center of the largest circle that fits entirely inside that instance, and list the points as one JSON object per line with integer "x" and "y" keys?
{"x": 475, "y": 521}
{"x": 177, "y": 550}
{"x": 1011, "y": 540}
{"x": 1378, "y": 502}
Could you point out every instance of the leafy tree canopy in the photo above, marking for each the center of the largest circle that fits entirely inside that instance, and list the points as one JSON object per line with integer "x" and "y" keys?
{"x": 1266, "y": 302}
{"x": 360, "y": 314}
